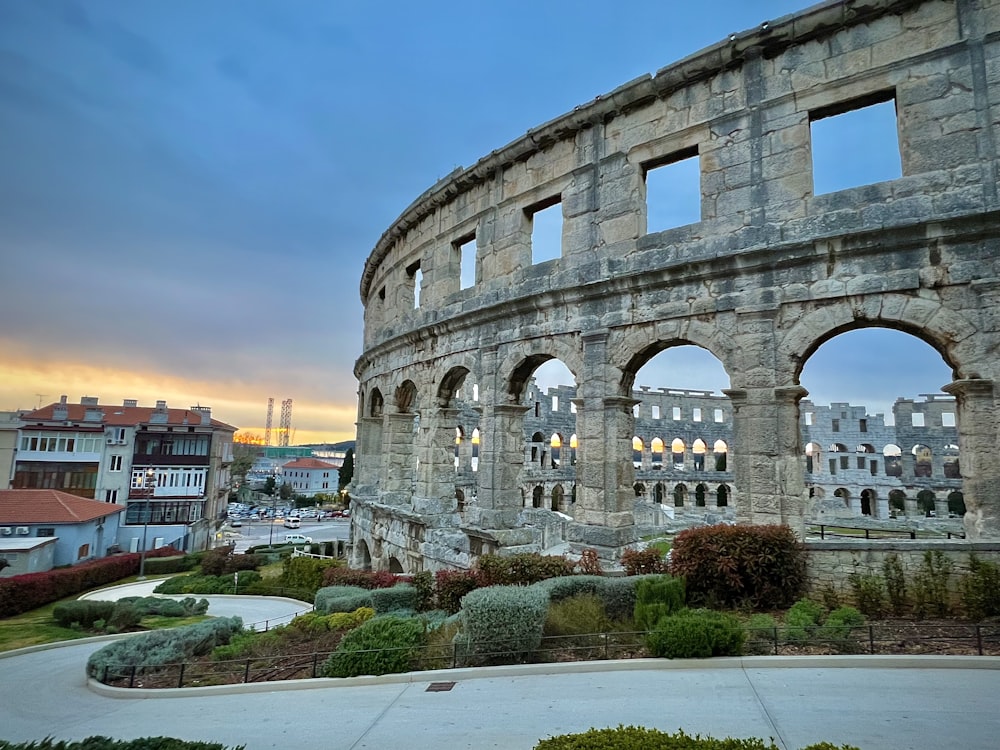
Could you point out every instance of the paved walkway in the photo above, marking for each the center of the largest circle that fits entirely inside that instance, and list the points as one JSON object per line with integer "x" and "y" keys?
{"x": 875, "y": 703}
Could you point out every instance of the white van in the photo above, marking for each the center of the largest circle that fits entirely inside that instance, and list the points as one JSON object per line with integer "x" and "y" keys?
{"x": 293, "y": 522}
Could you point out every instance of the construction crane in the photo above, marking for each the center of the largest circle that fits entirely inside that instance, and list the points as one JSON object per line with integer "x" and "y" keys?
{"x": 267, "y": 426}
{"x": 285, "y": 427}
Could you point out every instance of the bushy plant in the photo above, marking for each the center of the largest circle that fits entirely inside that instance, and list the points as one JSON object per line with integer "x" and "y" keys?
{"x": 696, "y": 634}
{"x": 152, "y": 650}
{"x": 930, "y": 585}
{"x": 342, "y": 599}
{"x": 869, "y": 593}
{"x": 980, "y": 589}
{"x": 643, "y": 738}
{"x": 423, "y": 582}
{"x": 305, "y": 574}
{"x": 643, "y": 561}
{"x": 762, "y": 567}
{"x": 590, "y": 562}
{"x": 452, "y": 585}
{"x": 520, "y": 570}
{"x": 402, "y": 596}
{"x": 657, "y": 597}
{"x": 501, "y": 623}
{"x": 123, "y": 617}
{"x": 83, "y": 612}
{"x": 761, "y": 630}
{"x": 224, "y": 561}
{"x": 316, "y": 622}
{"x": 576, "y": 615}
{"x": 194, "y": 583}
{"x": 839, "y": 625}
{"x": 99, "y": 742}
{"x": 364, "y": 579}
{"x": 895, "y": 583}
{"x": 618, "y": 595}
{"x": 802, "y": 619}
{"x": 383, "y": 645}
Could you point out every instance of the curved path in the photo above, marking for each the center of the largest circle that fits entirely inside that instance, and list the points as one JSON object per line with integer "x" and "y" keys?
{"x": 876, "y": 703}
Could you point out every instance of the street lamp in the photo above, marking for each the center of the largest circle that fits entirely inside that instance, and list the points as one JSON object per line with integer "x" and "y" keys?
{"x": 149, "y": 487}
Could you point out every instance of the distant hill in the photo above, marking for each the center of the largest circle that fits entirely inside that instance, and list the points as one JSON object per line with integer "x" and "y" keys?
{"x": 342, "y": 446}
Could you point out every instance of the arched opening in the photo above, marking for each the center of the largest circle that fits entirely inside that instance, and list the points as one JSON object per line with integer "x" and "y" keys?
{"x": 639, "y": 488}
{"x": 555, "y": 449}
{"x": 722, "y": 496}
{"x": 923, "y": 458}
{"x": 698, "y": 451}
{"x": 572, "y": 449}
{"x": 475, "y": 449}
{"x": 926, "y": 502}
{"x": 892, "y": 456}
{"x": 538, "y": 452}
{"x": 897, "y": 501}
{"x": 699, "y": 495}
{"x": 814, "y": 457}
{"x": 950, "y": 464}
{"x": 658, "y": 493}
{"x": 956, "y": 504}
{"x": 536, "y": 496}
{"x": 557, "y": 497}
{"x": 364, "y": 555}
{"x": 406, "y": 397}
{"x": 375, "y": 403}
{"x": 637, "y": 448}
{"x": 656, "y": 452}
{"x": 720, "y": 452}
{"x": 844, "y": 496}
{"x": 547, "y": 389}
{"x": 680, "y": 496}
{"x": 868, "y": 504}
{"x": 678, "y": 451}
{"x": 395, "y": 566}
{"x": 460, "y": 499}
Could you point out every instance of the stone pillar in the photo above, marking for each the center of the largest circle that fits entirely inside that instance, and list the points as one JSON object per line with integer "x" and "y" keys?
{"x": 976, "y": 401}
{"x": 368, "y": 456}
{"x": 435, "y": 490}
{"x": 465, "y": 453}
{"x": 501, "y": 459}
{"x": 398, "y": 466}
{"x": 768, "y": 466}
{"x": 881, "y": 507}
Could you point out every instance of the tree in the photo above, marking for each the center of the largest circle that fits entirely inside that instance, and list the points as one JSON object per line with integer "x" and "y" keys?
{"x": 269, "y": 486}
{"x": 347, "y": 470}
{"x": 285, "y": 493}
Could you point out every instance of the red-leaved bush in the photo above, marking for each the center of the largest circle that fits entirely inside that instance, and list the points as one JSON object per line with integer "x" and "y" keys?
{"x": 732, "y": 566}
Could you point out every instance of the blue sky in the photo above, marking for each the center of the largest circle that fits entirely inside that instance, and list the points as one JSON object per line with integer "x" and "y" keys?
{"x": 189, "y": 189}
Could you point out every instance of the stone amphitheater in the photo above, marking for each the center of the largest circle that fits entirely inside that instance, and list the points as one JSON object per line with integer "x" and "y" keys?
{"x": 770, "y": 272}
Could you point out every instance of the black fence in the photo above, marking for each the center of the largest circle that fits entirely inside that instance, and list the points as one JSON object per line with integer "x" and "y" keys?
{"x": 875, "y": 639}
{"x": 839, "y": 531}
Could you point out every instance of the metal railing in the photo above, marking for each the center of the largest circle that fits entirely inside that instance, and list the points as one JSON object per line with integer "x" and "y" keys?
{"x": 974, "y": 639}
{"x": 880, "y": 533}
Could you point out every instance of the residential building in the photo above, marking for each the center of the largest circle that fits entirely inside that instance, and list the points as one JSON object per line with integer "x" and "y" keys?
{"x": 310, "y": 476}
{"x": 42, "y": 529}
{"x": 168, "y": 467}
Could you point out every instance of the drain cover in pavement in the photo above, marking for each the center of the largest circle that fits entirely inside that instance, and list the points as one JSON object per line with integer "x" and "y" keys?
{"x": 439, "y": 687}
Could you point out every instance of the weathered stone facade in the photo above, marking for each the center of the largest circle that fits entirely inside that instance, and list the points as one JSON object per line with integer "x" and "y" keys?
{"x": 770, "y": 272}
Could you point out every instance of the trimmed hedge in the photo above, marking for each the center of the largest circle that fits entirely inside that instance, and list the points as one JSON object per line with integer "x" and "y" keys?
{"x": 401, "y": 597}
{"x": 148, "y": 652}
{"x": 33, "y": 590}
{"x": 641, "y": 738}
{"x": 83, "y": 612}
{"x": 656, "y": 598}
{"x": 194, "y": 583}
{"x": 696, "y": 634}
{"x": 762, "y": 567}
{"x": 502, "y": 623}
{"x": 364, "y": 579}
{"x": 521, "y": 570}
{"x": 383, "y": 645}
{"x": 99, "y": 742}
{"x": 342, "y": 599}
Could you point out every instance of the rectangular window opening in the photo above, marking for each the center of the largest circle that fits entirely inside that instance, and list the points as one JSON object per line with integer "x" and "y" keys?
{"x": 917, "y": 419}
{"x": 947, "y": 419}
{"x": 417, "y": 278}
{"x": 546, "y": 222}
{"x": 855, "y": 143}
{"x": 676, "y": 413}
{"x": 465, "y": 249}
{"x": 656, "y": 411}
{"x": 719, "y": 417}
{"x": 673, "y": 190}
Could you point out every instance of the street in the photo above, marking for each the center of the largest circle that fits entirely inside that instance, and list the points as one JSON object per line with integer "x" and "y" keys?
{"x": 255, "y": 533}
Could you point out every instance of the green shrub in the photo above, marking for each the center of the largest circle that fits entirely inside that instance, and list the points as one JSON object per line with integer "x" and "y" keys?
{"x": 655, "y": 598}
{"x": 83, "y": 612}
{"x": 383, "y": 645}
{"x": 150, "y": 651}
{"x": 838, "y": 627}
{"x": 762, "y": 567}
{"x": 802, "y": 619}
{"x": 565, "y": 587}
{"x": 176, "y": 564}
{"x": 366, "y": 579}
{"x": 98, "y": 742}
{"x": 500, "y": 623}
{"x": 644, "y": 561}
{"x": 156, "y": 605}
{"x": 930, "y": 585}
{"x": 401, "y": 597}
{"x": 342, "y": 599}
{"x": 193, "y": 583}
{"x": 123, "y": 617}
{"x": 761, "y": 630}
{"x": 222, "y": 561}
{"x": 696, "y": 634}
{"x": 423, "y": 582}
{"x": 895, "y": 583}
{"x": 641, "y": 738}
{"x": 305, "y": 574}
{"x": 521, "y": 569}
{"x": 316, "y": 622}
{"x": 980, "y": 589}
{"x": 618, "y": 595}
{"x": 869, "y": 593}
{"x": 576, "y": 615}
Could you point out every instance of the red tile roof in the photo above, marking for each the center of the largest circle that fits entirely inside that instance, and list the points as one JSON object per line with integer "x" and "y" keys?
{"x": 121, "y": 416}
{"x": 307, "y": 463}
{"x": 50, "y": 506}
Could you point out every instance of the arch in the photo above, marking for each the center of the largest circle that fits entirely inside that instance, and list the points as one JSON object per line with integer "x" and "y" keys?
{"x": 700, "y": 492}
{"x": 698, "y": 450}
{"x": 658, "y": 493}
{"x": 364, "y": 554}
{"x": 892, "y": 457}
{"x": 633, "y": 349}
{"x": 406, "y": 397}
{"x": 897, "y": 501}
{"x": 536, "y": 496}
{"x": 573, "y": 444}
{"x": 678, "y": 453}
{"x": 555, "y": 449}
{"x": 722, "y": 496}
{"x": 451, "y": 384}
{"x": 680, "y": 495}
{"x": 814, "y": 457}
{"x": 637, "y": 449}
{"x": 375, "y": 403}
{"x": 923, "y": 460}
{"x": 720, "y": 452}
{"x": 926, "y": 502}
{"x": 956, "y": 503}
{"x": 656, "y": 452}
{"x": 844, "y": 495}
{"x": 557, "y": 497}
{"x": 521, "y": 367}
{"x": 395, "y": 566}
{"x": 950, "y": 463}
{"x": 868, "y": 503}
{"x": 640, "y": 489}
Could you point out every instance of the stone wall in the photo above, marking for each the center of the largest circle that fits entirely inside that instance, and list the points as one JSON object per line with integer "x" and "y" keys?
{"x": 770, "y": 272}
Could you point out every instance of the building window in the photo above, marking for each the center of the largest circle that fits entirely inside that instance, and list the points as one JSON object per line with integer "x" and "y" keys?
{"x": 855, "y": 143}
{"x": 656, "y": 411}
{"x": 836, "y": 425}
{"x": 111, "y": 496}
{"x": 673, "y": 190}
{"x": 83, "y": 552}
{"x": 863, "y": 425}
{"x": 116, "y": 463}
{"x": 545, "y": 222}
{"x": 917, "y": 419}
{"x": 46, "y": 531}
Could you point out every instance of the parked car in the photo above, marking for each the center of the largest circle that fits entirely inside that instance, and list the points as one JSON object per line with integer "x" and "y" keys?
{"x": 297, "y": 539}
{"x": 293, "y": 522}
{"x": 235, "y": 523}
